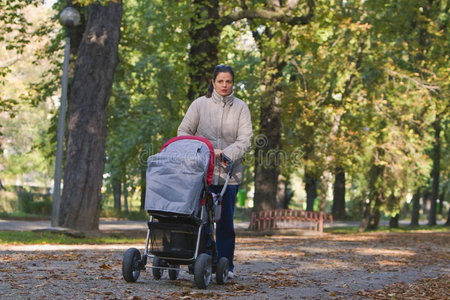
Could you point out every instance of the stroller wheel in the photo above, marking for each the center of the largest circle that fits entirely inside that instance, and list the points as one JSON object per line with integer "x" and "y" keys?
{"x": 131, "y": 265}
{"x": 157, "y": 271}
{"x": 173, "y": 274}
{"x": 222, "y": 270}
{"x": 202, "y": 271}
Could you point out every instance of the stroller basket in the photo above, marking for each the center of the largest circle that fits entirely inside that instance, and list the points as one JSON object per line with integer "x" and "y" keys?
{"x": 173, "y": 240}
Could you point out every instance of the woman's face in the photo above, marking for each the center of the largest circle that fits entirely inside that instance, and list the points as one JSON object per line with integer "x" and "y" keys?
{"x": 223, "y": 83}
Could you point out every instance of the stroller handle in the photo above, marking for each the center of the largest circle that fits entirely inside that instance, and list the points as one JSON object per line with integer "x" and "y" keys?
{"x": 226, "y": 160}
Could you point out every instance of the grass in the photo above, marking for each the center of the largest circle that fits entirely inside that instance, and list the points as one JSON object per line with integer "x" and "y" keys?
{"x": 30, "y": 237}
{"x": 352, "y": 230}
{"x": 22, "y": 216}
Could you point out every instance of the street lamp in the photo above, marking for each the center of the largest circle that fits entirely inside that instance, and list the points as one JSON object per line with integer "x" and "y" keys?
{"x": 69, "y": 17}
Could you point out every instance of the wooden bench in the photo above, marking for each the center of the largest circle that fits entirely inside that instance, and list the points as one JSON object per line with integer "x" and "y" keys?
{"x": 289, "y": 218}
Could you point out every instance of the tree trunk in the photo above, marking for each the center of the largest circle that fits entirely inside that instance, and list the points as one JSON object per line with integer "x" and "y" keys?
{"x": 311, "y": 190}
{"x": 365, "y": 218}
{"x": 440, "y": 209}
{"x": 281, "y": 192}
{"x": 426, "y": 201}
{"x": 324, "y": 184}
{"x": 338, "y": 209}
{"x": 415, "y": 208}
{"x": 267, "y": 167}
{"x": 375, "y": 216}
{"x": 89, "y": 97}
{"x": 268, "y": 142}
{"x": 117, "y": 191}
{"x": 393, "y": 222}
{"x": 125, "y": 198}
{"x": 448, "y": 218}
{"x": 288, "y": 193}
{"x": 203, "y": 55}
{"x": 435, "y": 172}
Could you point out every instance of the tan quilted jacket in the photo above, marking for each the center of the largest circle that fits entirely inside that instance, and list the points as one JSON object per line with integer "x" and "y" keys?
{"x": 226, "y": 122}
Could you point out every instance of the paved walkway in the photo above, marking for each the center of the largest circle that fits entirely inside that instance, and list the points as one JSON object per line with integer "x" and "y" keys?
{"x": 117, "y": 225}
{"x": 105, "y": 225}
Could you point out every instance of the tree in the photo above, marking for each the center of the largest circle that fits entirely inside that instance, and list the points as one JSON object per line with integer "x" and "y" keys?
{"x": 338, "y": 209}
{"x": 89, "y": 97}
{"x": 206, "y": 25}
{"x": 15, "y": 35}
{"x": 272, "y": 42}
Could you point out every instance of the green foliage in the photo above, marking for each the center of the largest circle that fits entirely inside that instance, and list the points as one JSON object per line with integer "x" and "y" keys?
{"x": 149, "y": 93}
{"x": 361, "y": 85}
{"x": 354, "y": 230}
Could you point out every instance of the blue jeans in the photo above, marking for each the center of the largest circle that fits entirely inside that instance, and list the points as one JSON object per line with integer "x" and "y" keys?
{"x": 225, "y": 235}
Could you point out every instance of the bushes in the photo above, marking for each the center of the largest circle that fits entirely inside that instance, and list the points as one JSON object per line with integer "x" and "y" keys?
{"x": 28, "y": 200}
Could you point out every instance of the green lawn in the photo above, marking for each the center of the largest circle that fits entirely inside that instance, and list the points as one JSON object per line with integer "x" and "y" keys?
{"x": 29, "y": 237}
{"x": 351, "y": 230}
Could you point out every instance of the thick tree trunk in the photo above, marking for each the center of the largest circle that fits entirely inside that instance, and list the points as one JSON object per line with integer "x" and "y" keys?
{"x": 311, "y": 190}
{"x": 203, "y": 54}
{"x": 338, "y": 209}
{"x": 435, "y": 172}
{"x": 415, "y": 208}
{"x": 266, "y": 178}
{"x": 268, "y": 147}
{"x": 90, "y": 92}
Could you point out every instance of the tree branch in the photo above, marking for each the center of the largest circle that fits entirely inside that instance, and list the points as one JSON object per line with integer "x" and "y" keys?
{"x": 432, "y": 88}
{"x": 279, "y": 14}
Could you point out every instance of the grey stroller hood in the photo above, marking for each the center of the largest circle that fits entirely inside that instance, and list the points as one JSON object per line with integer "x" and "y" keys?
{"x": 177, "y": 175}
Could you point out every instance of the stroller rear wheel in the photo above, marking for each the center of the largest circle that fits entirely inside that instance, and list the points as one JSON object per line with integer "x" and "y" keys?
{"x": 131, "y": 265}
{"x": 222, "y": 270}
{"x": 203, "y": 271}
{"x": 157, "y": 271}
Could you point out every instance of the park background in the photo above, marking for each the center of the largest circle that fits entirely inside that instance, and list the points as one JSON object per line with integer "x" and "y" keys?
{"x": 349, "y": 103}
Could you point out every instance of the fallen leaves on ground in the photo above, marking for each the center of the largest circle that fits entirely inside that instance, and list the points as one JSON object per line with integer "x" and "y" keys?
{"x": 428, "y": 288}
{"x": 401, "y": 265}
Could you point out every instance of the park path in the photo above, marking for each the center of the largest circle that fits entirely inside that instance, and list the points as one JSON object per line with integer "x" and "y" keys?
{"x": 359, "y": 266}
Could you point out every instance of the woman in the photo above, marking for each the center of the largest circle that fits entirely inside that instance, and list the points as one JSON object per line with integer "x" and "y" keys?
{"x": 224, "y": 120}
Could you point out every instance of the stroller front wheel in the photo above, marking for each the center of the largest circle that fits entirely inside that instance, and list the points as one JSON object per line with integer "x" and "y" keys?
{"x": 203, "y": 271}
{"x": 131, "y": 265}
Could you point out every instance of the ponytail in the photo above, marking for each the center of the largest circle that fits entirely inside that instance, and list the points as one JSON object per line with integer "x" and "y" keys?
{"x": 210, "y": 89}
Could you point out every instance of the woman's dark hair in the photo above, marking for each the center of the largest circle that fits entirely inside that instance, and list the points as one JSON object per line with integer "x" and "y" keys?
{"x": 218, "y": 69}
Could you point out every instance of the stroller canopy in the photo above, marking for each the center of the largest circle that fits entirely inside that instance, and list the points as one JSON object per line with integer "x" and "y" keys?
{"x": 177, "y": 175}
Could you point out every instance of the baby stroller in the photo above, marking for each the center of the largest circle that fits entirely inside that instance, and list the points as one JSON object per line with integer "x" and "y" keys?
{"x": 182, "y": 214}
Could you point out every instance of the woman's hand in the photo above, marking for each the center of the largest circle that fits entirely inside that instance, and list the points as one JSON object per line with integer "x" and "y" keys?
{"x": 217, "y": 153}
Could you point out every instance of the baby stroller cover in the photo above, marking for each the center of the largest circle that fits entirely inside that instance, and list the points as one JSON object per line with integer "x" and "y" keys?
{"x": 176, "y": 176}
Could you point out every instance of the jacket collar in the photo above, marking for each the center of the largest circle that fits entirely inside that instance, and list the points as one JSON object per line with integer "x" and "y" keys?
{"x": 222, "y": 100}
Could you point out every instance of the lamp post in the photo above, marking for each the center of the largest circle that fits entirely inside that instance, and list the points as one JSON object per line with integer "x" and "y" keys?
{"x": 69, "y": 17}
